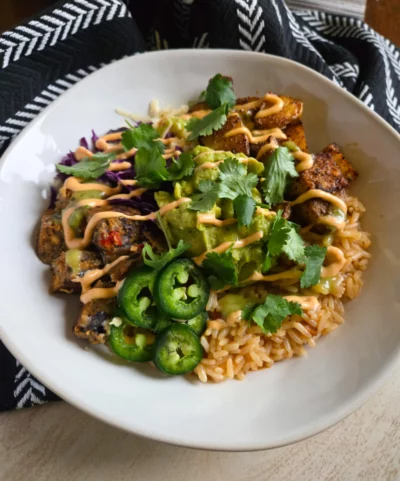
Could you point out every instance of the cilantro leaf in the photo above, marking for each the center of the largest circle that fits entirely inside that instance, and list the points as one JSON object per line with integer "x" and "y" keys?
{"x": 234, "y": 176}
{"x": 181, "y": 167}
{"x": 205, "y": 126}
{"x": 248, "y": 311}
{"x": 314, "y": 258}
{"x": 208, "y": 197}
{"x": 220, "y": 269}
{"x": 279, "y": 169}
{"x": 89, "y": 167}
{"x": 157, "y": 262}
{"x": 270, "y": 315}
{"x": 150, "y": 168}
{"x": 283, "y": 237}
{"x": 244, "y": 209}
{"x": 268, "y": 263}
{"x": 220, "y": 91}
{"x": 142, "y": 136}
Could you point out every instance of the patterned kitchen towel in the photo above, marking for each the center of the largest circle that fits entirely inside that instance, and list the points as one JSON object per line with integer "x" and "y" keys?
{"x": 42, "y": 58}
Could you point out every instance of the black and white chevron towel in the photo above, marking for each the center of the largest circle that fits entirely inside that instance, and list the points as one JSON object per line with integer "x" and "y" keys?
{"x": 42, "y": 58}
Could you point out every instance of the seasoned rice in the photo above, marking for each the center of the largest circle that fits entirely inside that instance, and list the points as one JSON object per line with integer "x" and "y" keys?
{"x": 233, "y": 348}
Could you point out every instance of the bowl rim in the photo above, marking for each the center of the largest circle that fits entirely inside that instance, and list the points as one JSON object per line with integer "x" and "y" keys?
{"x": 355, "y": 402}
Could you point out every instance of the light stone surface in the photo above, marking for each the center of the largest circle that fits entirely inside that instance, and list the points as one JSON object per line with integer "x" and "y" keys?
{"x": 59, "y": 443}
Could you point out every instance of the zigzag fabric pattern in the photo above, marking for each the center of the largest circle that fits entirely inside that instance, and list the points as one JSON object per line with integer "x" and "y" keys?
{"x": 46, "y": 56}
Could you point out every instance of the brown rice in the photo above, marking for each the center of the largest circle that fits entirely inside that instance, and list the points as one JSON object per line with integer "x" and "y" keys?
{"x": 235, "y": 348}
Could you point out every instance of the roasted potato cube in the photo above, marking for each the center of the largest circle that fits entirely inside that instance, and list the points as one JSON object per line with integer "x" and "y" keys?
{"x": 285, "y": 207}
{"x": 295, "y": 133}
{"x": 199, "y": 106}
{"x": 115, "y": 236}
{"x": 309, "y": 212}
{"x": 324, "y": 175}
{"x": 236, "y": 143}
{"x": 50, "y": 241}
{"x": 290, "y": 113}
{"x": 93, "y": 322}
{"x": 344, "y": 165}
{"x": 62, "y": 271}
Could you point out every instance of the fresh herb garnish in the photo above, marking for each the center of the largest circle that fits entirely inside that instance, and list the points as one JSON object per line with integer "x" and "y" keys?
{"x": 205, "y": 126}
{"x": 279, "y": 169}
{"x": 220, "y": 269}
{"x": 89, "y": 167}
{"x": 270, "y": 315}
{"x": 150, "y": 167}
{"x": 220, "y": 97}
{"x": 314, "y": 257}
{"x": 157, "y": 262}
{"x": 181, "y": 167}
{"x": 142, "y": 136}
{"x": 235, "y": 184}
{"x": 284, "y": 238}
{"x": 244, "y": 209}
{"x": 209, "y": 194}
{"x": 220, "y": 91}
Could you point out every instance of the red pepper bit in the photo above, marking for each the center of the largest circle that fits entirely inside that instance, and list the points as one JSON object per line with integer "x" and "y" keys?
{"x": 111, "y": 240}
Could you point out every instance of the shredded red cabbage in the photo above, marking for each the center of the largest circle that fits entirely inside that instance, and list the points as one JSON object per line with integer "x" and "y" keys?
{"x": 146, "y": 203}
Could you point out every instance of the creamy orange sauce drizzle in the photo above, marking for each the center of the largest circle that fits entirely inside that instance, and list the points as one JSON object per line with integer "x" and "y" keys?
{"x": 260, "y": 135}
{"x": 277, "y": 106}
{"x": 336, "y": 260}
{"x": 290, "y": 274}
{"x": 226, "y": 245}
{"x": 234, "y": 317}
{"x": 272, "y": 145}
{"x": 77, "y": 185}
{"x": 100, "y": 293}
{"x": 82, "y": 242}
{"x": 199, "y": 114}
{"x": 306, "y": 161}
{"x": 307, "y": 302}
{"x": 95, "y": 274}
{"x": 117, "y": 166}
{"x": 321, "y": 194}
{"x": 332, "y": 221}
{"x": 128, "y": 182}
{"x": 265, "y": 212}
{"x": 211, "y": 219}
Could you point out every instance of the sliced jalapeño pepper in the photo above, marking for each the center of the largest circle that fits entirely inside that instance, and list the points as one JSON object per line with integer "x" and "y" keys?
{"x": 198, "y": 323}
{"x": 162, "y": 322}
{"x": 131, "y": 343}
{"x": 177, "y": 350}
{"x": 136, "y": 300}
{"x": 180, "y": 290}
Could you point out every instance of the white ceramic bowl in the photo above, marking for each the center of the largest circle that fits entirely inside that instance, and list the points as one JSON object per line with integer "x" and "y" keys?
{"x": 294, "y": 399}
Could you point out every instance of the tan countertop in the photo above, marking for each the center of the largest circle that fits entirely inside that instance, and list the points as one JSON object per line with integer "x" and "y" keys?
{"x": 59, "y": 443}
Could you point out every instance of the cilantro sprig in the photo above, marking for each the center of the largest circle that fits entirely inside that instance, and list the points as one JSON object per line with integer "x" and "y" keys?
{"x": 89, "y": 167}
{"x": 220, "y": 91}
{"x": 142, "y": 136}
{"x": 235, "y": 184}
{"x": 157, "y": 262}
{"x": 279, "y": 169}
{"x": 150, "y": 165}
{"x": 220, "y": 97}
{"x": 220, "y": 269}
{"x": 271, "y": 314}
{"x": 205, "y": 126}
{"x": 283, "y": 237}
{"x": 314, "y": 257}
